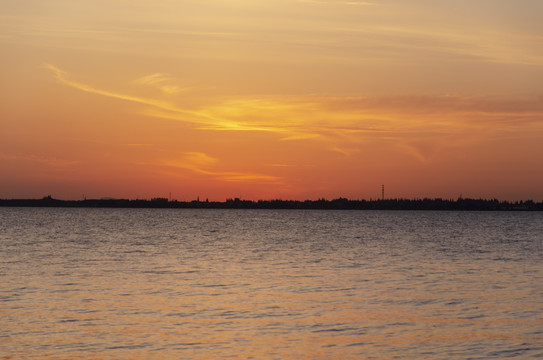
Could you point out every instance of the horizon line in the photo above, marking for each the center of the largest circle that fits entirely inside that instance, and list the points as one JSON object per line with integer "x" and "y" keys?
{"x": 238, "y": 199}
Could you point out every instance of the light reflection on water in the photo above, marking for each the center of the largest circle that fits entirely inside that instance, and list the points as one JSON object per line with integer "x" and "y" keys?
{"x": 201, "y": 284}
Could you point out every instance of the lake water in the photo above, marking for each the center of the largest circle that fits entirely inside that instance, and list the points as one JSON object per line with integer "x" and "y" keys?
{"x": 266, "y": 284}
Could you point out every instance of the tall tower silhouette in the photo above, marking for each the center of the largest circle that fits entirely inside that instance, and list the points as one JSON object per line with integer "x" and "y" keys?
{"x": 383, "y": 192}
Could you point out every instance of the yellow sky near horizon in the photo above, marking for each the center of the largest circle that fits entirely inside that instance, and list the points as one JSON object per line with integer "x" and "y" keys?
{"x": 296, "y": 99}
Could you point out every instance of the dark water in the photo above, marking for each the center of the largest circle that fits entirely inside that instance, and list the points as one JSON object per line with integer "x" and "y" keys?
{"x": 227, "y": 284}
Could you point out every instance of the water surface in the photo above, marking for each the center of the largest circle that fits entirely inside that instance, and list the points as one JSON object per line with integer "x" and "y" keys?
{"x": 269, "y": 284}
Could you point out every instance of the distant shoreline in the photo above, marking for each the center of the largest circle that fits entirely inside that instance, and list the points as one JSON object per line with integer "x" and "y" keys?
{"x": 460, "y": 204}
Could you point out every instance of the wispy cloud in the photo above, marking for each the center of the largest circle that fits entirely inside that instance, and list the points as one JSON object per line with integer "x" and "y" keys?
{"x": 199, "y": 159}
{"x": 342, "y": 123}
{"x": 138, "y": 145}
{"x": 51, "y": 161}
{"x": 301, "y": 136}
{"x": 206, "y": 119}
{"x": 160, "y": 82}
{"x": 63, "y": 78}
{"x": 343, "y": 151}
{"x": 437, "y": 107}
{"x": 279, "y": 165}
{"x": 204, "y": 164}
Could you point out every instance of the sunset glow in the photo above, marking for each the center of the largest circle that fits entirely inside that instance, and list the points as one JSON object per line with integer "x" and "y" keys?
{"x": 291, "y": 99}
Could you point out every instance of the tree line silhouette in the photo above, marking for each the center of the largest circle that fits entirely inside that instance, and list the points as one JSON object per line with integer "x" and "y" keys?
{"x": 322, "y": 204}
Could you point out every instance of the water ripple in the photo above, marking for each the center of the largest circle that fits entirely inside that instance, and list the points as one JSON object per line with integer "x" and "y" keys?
{"x": 197, "y": 284}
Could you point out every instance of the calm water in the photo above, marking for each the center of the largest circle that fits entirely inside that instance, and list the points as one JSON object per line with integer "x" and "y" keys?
{"x": 227, "y": 284}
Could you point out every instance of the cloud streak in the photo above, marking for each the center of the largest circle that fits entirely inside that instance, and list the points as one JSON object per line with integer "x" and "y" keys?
{"x": 61, "y": 76}
{"x": 51, "y": 161}
{"x": 160, "y": 82}
{"x": 202, "y": 163}
{"x": 167, "y": 110}
{"x": 342, "y": 122}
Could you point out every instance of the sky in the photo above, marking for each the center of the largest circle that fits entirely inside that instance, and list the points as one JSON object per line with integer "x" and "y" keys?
{"x": 271, "y": 99}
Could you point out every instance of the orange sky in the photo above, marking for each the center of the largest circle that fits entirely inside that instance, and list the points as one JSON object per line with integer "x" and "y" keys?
{"x": 291, "y": 99}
